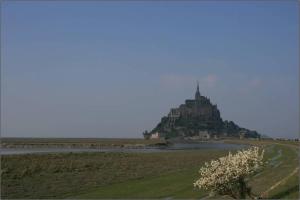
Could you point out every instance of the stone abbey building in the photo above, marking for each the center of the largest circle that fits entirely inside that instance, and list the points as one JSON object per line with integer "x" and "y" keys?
{"x": 197, "y": 118}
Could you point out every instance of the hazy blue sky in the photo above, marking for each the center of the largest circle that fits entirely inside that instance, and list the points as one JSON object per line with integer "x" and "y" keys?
{"x": 113, "y": 69}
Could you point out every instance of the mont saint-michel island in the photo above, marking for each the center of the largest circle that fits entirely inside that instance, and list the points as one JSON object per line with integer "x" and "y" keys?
{"x": 197, "y": 119}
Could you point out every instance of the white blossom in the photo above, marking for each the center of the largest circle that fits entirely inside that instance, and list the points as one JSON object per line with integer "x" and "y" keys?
{"x": 224, "y": 175}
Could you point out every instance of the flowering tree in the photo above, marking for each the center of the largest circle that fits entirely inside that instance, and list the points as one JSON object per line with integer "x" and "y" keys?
{"x": 226, "y": 176}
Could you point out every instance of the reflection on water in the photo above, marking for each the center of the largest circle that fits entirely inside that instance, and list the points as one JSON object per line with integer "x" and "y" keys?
{"x": 206, "y": 145}
{"x": 174, "y": 147}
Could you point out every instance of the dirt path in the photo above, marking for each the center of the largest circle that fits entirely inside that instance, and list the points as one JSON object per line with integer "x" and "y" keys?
{"x": 265, "y": 194}
{"x": 284, "y": 180}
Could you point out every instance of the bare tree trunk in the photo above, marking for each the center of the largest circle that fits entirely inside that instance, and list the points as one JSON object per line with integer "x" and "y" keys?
{"x": 250, "y": 194}
{"x": 242, "y": 188}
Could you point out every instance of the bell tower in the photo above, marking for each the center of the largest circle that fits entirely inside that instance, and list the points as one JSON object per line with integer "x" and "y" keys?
{"x": 197, "y": 95}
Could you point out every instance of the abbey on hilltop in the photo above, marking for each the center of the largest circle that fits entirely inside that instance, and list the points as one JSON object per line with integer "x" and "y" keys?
{"x": 197, "y": 119}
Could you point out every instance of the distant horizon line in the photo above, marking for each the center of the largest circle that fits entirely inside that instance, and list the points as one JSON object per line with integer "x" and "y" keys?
{"x": 25, "y": 137}
{"x": 76, "y": 137}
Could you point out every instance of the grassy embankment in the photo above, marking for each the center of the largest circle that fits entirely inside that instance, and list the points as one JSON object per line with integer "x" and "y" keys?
{"x": 278, "y": 179}
{"x": 136, "y": 175}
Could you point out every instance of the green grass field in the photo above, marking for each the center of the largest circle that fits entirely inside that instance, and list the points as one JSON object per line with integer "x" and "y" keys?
{"x": 70, "y": 174}
{"x": 138, "y": 175}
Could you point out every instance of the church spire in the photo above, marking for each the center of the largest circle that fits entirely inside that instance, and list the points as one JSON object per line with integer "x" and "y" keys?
{"x": 197, "y": 95}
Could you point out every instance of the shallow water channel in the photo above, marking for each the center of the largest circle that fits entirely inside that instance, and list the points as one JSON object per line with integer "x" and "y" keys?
{"x": 173, "y": 147}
